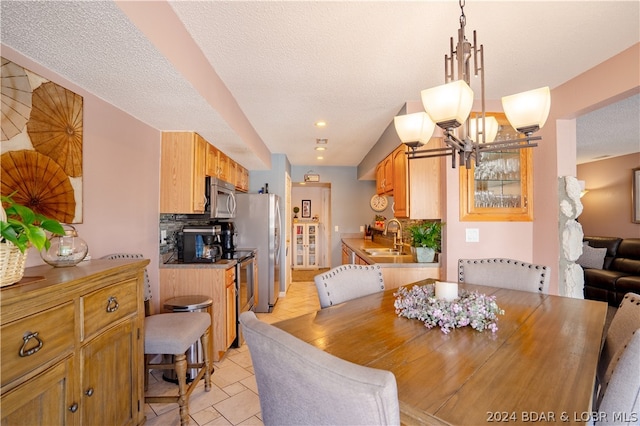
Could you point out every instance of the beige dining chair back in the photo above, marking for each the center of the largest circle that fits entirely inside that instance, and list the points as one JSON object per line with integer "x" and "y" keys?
{"x": 299, "y": 384}
{"x": 621, "y": 401}
{"x": 625, "y": 321}
{"x": 505, "y": 273}
{"x": 347, "y": 282}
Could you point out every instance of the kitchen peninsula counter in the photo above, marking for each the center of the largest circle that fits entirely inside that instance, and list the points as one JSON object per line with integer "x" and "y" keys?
{"x": 220, "y": 264}
{"x": 402, "y": 271}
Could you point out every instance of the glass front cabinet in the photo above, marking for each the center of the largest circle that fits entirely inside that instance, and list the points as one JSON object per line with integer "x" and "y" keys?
{"x": 499, "y": 187}
{"x": 305, "y": 245}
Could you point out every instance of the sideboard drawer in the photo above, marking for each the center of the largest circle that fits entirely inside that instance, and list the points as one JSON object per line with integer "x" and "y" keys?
{"x": 36, "y": 340}
{"x": 108, "y": 305}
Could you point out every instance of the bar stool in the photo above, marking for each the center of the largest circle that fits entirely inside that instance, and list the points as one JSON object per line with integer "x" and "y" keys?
{"x": 174, "y": 334}
{"x": 191, "y": 303}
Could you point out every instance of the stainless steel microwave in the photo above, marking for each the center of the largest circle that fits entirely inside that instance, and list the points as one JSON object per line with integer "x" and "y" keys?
{"x": 222, "y": 199}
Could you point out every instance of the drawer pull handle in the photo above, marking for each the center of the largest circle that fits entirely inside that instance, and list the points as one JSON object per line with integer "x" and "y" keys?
{"x": 25, "y": 340}
{"x": 89, "y": 392}
{"x": 112, "y": 304}
{"x": 74, "y": 407}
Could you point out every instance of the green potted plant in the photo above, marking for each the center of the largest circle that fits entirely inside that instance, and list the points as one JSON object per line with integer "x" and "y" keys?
{"x": 20, "y": 228}
{"x": 296, "y": 209}
{"x": 426, "y": 239}
{"x": 379, "y": 220}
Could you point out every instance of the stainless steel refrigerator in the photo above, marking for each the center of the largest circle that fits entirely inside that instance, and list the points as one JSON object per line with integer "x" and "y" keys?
{"x": 258, "y": 224}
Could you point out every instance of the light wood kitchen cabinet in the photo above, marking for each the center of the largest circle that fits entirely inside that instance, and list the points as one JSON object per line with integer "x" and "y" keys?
{"x": 242, "y": 179}
{"x": 418, "y": 191}
{"x": 384, "y": 176}
{"x": 232, "y": 170}
{"x": 231, "y": 314}
{"x": 212, "y": 160}
{"x": 500, "y": 187}
{"x": 223, "y": 167}
{"x": 351, "y": 257}
{"x": 182, "y": 173}
{"x": 73, "y": 345}
{"x": 206, "y": 281}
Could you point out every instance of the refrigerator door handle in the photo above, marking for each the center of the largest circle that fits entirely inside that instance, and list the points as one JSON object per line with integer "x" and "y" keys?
{"x": 279, "y": 227}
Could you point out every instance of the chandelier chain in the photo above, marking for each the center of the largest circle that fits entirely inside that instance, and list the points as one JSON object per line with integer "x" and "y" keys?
{"x": 463, "y": 18}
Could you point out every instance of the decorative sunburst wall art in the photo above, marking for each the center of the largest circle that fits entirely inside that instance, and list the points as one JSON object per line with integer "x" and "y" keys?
{"x": 41, "y": 144}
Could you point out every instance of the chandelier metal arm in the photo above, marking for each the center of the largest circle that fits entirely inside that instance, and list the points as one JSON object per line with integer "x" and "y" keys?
{"x": 467, "y": 150}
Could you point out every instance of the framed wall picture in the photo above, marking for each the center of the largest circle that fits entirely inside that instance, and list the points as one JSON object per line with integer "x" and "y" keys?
{"x": 635, "y": 196}
{"x": 306, "y": 208}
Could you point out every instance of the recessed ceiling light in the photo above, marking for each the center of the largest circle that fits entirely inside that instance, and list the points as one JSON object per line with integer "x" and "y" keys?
{"x": 321, "y": 123}
{"x": 320, "y": 148}
{"x": 322, "y": 141}
{"x": 320, "y": 158}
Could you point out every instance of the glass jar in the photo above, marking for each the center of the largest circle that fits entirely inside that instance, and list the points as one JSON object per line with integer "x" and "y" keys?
{"x": 65, "y": 250}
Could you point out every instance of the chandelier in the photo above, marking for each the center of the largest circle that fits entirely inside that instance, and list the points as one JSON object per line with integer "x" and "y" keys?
{"x": 449, "y": 107}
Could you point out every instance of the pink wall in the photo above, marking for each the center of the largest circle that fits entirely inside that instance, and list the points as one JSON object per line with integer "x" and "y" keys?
{"x": 606, "y": 83}
{"x": 607, "y": 204}
{"x": 121, "y": 178}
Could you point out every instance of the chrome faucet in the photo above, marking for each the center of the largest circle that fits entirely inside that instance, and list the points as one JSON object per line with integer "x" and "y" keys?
{"x": 397, "y": 238}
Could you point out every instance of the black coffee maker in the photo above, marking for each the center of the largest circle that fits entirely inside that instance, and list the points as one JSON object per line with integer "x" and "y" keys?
{"x": 228, "y": 239}
{"x": 200, "y": 244}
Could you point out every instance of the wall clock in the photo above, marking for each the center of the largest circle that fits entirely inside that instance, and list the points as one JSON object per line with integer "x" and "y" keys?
{"x": 378, "y": 202}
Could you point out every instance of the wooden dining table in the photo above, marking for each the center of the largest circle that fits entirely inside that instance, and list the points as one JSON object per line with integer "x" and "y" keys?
{"x": 539, "y": 366}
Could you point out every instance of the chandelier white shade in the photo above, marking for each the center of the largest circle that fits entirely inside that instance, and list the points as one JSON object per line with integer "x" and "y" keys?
{"x": 475, "y": 128}
{"x": 448, "y": 105}
{"x": 416, "y": 128}
{"x": 528, "y": 111}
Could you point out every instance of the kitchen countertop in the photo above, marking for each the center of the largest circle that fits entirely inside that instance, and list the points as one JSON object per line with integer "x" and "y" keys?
{"x": 220, "y": 264}
{"x": 358, "y": 244}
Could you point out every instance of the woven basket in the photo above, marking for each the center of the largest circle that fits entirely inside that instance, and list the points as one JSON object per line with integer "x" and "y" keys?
{"x": 12, "y": 262}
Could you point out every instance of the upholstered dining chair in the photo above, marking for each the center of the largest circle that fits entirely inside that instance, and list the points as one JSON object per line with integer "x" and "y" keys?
{"x": 348, "y": 282}
{"x": 505, "y": 273}
{"x": 625, "y": 321}
{"x": 302, "y": 385}
{"x": 173, "y": 334}
{"x": 621, "y": 401}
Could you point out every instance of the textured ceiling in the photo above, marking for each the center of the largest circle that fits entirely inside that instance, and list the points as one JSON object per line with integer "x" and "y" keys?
{"x": 353, "y": 64}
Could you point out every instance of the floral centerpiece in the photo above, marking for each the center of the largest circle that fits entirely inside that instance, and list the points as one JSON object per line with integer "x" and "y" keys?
{"x": 470, "y": 309}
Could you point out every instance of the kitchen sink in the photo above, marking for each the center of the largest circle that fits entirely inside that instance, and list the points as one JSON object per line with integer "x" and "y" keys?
{"x": 393, "y": 258}
{"x": 382, "y": 251}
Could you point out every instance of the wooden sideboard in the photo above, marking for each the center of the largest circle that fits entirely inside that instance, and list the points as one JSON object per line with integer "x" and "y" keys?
{"x": 73, "y": 345}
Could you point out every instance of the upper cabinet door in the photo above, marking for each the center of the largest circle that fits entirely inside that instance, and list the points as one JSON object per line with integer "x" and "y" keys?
{"x": 499, "y": 188}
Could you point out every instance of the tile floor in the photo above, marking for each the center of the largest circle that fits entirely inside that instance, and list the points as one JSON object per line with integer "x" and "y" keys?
{"x": 233, "y": 399}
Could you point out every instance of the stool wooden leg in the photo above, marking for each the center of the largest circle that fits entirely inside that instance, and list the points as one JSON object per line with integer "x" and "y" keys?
{"x": 207, "y": 360}
{"x": 180, "y": 362}
{"x": 146, "y": 372}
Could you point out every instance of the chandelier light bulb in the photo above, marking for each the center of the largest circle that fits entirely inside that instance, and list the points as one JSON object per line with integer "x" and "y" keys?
{"x": 491, "y": 132}
{"x": 415, "y": 127}
{"x": 448, "y": 105}
{"x": 528, "y": 111}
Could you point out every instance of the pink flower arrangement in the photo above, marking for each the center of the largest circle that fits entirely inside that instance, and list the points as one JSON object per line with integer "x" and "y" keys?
{"x": 470, "y": 309}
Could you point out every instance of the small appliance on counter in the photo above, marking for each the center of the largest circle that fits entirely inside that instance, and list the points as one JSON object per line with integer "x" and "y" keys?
{"x": 228, "y": 238}
{"x": 200, "y": 244}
